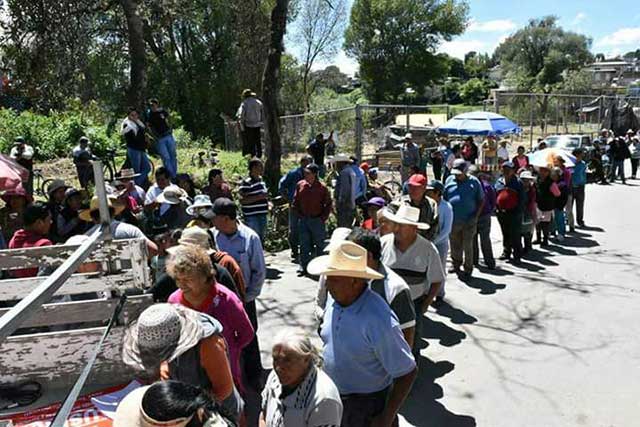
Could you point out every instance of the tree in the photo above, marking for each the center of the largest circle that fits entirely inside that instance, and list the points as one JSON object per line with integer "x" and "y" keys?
{"x": 395, "y": 42}
{"x": 330, "y": 78}
{"x": 291, "y": 97}
{"x": 137, "y": 53}
{"x": 473, "y": 92}
{"x": 451, "y": 92}
{"x": 317, "y": 34}
{"x": 477, "y": 65}
{"x": 270, "y": 88}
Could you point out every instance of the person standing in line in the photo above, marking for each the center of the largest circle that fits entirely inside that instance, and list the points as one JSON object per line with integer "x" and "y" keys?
{"x": 345, "y": 191}
{"x": 483, "y": 233}
{"x": 254, "y": 199}
{"x": 520, "y": 161}
{"x": 416, "y": 260}
{"x": 417, "y": 189}
{"x": 545, "y": 201}
{"x": 312, "y": 205}
{"x": 410, "y": 156}
{"x": 287, "y": 189}
{"x": 469, "y": 150}
{"x": 619, "y": 153}
{"x": 634, "y": 147}
{"x": 503, "y": 152}
{"x": 133, "y": 131}
{"x": 165, "y": 143}
{"x": 561, "y": 194}
{"x": 435, "y": 189}
{"x": 529, "y": 218}
{"x": 467, "y": 200}
{"x": 251, "y": 118}
{"x": 510, "y": 201}
{"x": 579, "y": 183}
{"x": 243, "y": 244}
{"x": 82, "y": 157}
{"x": 374, "y": 385}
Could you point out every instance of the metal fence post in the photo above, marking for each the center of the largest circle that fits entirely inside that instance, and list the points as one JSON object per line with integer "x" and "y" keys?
{"x": 580, "y": 117}
{"x": 101, "y": 193}
{"x": 497, "y": 102}
{"x": 406, "y": 112}
{"x": 448, "y": 112}
{"x": 359, "y": 132}
{"x": 531, "y": 118}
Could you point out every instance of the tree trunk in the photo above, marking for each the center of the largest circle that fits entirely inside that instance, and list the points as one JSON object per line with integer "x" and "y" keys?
{"x": 137, "y": 55}
{"x": 270, "y": 86}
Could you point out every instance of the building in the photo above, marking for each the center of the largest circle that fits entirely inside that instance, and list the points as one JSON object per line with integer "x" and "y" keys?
{"x": 615, "y": 73}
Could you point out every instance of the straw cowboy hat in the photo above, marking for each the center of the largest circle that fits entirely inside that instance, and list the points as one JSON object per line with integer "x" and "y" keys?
{"x": 128, "y": 174}
{"x": 406, "y": 215}
{"x": 346, "y": 260}
{"x": 201, "y": 205}
{"x": 161, "y": 334}
{"x": 85, "y": 214}
{"x": 340, "y": 158}
{"x": 195, "y": 236}
{"x": 130, "y": 413}
{"x": 338, "y": 236}
{"x": 172, "y": 195}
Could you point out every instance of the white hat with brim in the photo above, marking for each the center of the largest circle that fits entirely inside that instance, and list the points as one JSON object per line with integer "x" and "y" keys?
{"x": 201, "y": 202}
{"x": 407, "y": 215}
{"x": 172, "y": 195}
{"x": 338, "y": 236}
{"x": 162, "y": 332}
{"x": 194, "y": 236}
{"x": 527, "y": 175}
{"x": 339, "y": 158}
{"x": 344, "y": 260}
{"x": 131, "y": 414}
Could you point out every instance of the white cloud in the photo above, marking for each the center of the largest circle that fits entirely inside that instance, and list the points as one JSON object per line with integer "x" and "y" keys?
{"x": 347, "y": 65}
{"x": 458, "y": 48}
{"x": 622, "y": 37}
{"x": 495, "y": 26}
{"x": 580, "y": 17}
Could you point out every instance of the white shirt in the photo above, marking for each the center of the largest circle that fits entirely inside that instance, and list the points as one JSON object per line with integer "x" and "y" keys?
{"x": 152, "y": 194}
{"x": 315, "y": 402}
{"x": 419, "y": 265}
{"x": 250, "y": 113}
{"x": 503, "y": 153}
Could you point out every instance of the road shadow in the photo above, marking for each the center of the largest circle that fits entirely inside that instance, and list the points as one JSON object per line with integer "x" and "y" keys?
{"x": 446, "y": 336}
{"x": 273, "y": 273}
{"x": 496, "y": 271}
{"x": 485, "y": 286}
{"x": 456, "y": 315}
{"x": 560, "y": 249}
{"x": 540, "y": 256}
{"x": 592, "y": 228}
{"x": 575, "y": 240}
{"x": 422, "y": 408}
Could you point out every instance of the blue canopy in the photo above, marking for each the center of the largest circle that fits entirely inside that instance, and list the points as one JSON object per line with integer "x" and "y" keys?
{"x": 479, "y": 123}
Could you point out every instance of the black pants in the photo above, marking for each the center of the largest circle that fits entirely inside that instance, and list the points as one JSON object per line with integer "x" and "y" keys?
{"x": 251, "y": 142}
{"x": 634, "y": 167}
{"x": 437, "y": 168}
{"x": 251, "y": 353}
{"x": 511, "y": 224}
{"x": 360, "y": 409}
{"x": 578, "y": 199}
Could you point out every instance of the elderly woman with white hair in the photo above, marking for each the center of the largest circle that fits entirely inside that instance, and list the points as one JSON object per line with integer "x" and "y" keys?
{"x": 298, "y": 393}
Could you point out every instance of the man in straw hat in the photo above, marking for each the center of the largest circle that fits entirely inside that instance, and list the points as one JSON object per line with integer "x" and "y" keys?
{"x": 374, "y": 385}
{"x": 127, "y": 176}
{"x": 416, "y": 260}
{"x": 250, "y": 117}
{"x": 169, "y": 341}
{"x": 119, "y": 230}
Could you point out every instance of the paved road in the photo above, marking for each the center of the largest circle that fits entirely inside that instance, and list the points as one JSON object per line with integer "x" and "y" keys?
{"x": 551, "y": 343}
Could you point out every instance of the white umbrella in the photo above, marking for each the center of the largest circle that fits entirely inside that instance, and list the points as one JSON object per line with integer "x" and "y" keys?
{"x": 545, "y": 158}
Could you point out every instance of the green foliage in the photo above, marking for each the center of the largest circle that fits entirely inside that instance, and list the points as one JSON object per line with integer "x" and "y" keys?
{"x": 576, "y": 82}
{"x": 477, "y": 65}
{"x": 395, "y": 41}
{"x": 451, "y": 92}
{"x": 473, "y": 91}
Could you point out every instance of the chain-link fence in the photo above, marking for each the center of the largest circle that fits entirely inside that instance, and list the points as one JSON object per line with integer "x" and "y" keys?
{"x": 540, "y": 115}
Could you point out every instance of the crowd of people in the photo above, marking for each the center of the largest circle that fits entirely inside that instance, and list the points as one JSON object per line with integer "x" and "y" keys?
{"x": 385, "y": 264}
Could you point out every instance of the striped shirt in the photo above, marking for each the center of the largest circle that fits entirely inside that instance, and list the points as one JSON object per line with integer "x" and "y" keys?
{"x": 254, "y": 187}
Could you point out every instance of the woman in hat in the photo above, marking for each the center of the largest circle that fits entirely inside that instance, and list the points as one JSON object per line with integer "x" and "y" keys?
{"x": 373, "y": 206}
{"x": 191, "y": 267}
{"x": 298, "y": 393}
{"x": 68, "y": 222}
{"x": 173, "y": 342}
{"x": 201, "y": 211}
{"x": 169, "y": 404}
{"x": 11, "y": 215}
{"x": 178, "y": 201}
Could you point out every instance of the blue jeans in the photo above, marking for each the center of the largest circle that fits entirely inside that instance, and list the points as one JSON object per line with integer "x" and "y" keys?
{"x": 618, "y": 170}
{"x": 257, "y": 223}
{"x": 311, "y": 232}
{"x": 294, "y": 240}
{"x": 558, "y": 218}
{"x": 140, "y": 164}
{"x": 166, "y": 148}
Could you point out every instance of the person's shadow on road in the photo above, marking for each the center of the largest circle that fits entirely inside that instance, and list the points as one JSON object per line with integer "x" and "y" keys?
{"x": 486, "y": 287}
{"x": 447, "y": 336}
{"x": 422, "y": 408}
{"x": 456, "y": 315}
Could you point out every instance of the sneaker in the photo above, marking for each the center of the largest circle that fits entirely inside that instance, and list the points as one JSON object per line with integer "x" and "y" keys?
{"x": 560, "y": 238}
{"x": 504, "y": 256}
{"x": 454, "y": 270}
{"x": 300, "y": 272}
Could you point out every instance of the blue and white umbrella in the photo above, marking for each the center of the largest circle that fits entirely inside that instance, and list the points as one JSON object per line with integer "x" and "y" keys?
{"x": 479, "y": 123}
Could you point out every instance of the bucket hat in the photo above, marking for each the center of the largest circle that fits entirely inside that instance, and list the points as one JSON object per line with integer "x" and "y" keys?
{"x": 195, "y": 236}
{"x": 161, "y": 334}
{"x": 346, "y": 260}
{"x": 172, "y": 195}
{"x": 201, "y": 204}
{"x": 406, "y": 215}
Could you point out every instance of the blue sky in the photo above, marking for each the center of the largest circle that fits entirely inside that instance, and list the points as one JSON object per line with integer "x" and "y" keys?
{"x": 613, "y": 25}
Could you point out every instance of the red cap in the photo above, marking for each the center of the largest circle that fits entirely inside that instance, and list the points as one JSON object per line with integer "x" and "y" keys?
{"x": 418, "y": 180}
{"x": 365, "y": 166}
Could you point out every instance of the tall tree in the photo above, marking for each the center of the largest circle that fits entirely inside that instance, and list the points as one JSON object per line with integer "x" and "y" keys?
{"x": 395, "y": 42}
{"x": 137, "y": 53}
{"x": 270, "y": 89}
{"x": 317, "y": 33}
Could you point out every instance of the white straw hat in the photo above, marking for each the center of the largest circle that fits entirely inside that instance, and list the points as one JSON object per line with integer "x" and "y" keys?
{"x": 347, "y": 260}
{"x": 201, "y": 204}
{"x": 406, "y": 215}
{"x": 172, "y": 195}
{"x": 338, "y": 236}
{"x": 194, "y": 236}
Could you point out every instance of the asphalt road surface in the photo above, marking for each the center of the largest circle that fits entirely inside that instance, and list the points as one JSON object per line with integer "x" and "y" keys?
{"x": 553, "y": 342}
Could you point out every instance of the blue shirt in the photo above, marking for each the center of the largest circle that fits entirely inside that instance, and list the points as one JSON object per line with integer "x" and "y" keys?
{"x": 287, "y": 184}
{"x": 346, "y": 188}
{"x": 364, "y": 349}
{"x": 465, "y": 197}
{"x": 361, "y": 181}
{"x": 579, "y": 177}
{"x": 445, "y": 222}
{"x": 244, "y": 246}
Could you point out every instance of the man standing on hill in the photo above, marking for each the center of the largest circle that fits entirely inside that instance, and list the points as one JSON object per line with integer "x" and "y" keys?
{"x": 133, "y": 133}
{"x": 165, "y": 143}
{"x": 251, "y": 117}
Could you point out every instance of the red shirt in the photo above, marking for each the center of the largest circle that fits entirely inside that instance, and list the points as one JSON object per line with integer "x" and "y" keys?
{"x": 312, "y": 200}
{"x": 27, "y": 239}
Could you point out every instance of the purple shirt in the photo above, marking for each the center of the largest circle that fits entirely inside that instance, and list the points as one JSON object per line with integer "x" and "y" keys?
{"x": 489, "y": 198}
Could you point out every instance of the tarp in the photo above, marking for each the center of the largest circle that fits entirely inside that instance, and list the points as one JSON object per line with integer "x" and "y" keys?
{"x": 479, "y": 123}
{"x": 421, "y": 120}
{"x": 620, "y": 118}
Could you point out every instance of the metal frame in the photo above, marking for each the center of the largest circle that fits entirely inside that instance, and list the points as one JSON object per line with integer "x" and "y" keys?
{"x": 12, "y": 320}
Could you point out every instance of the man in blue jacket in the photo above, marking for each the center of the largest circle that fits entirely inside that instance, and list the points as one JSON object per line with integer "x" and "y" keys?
{"x": 287, "y": 188}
